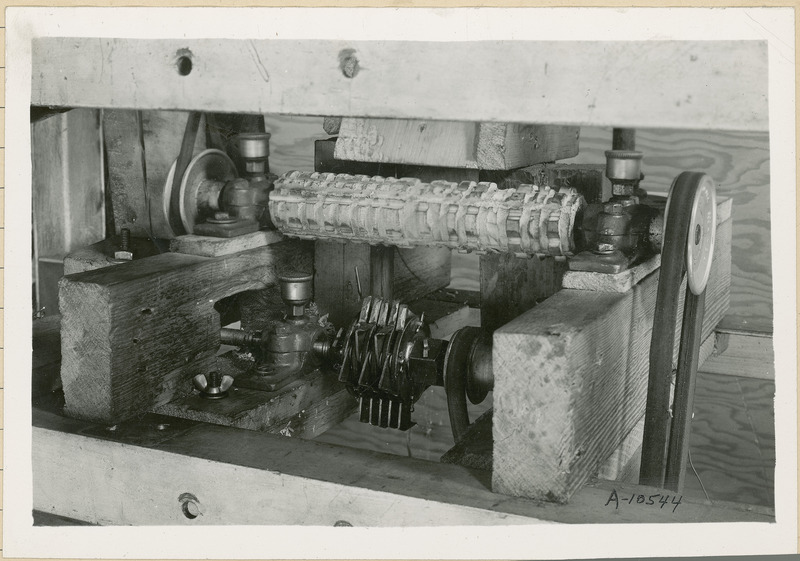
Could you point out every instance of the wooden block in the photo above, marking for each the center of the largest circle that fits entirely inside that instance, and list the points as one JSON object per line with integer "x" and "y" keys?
{"x": 162, "y": 134}
{"x": 512, "y": 285}
{"x": 324, "y": 160}
{"x": 303, "y": 409}
{"x": 132, "y": 335}
{"x": 208, "y": 246}
{"x": 454, "y": 144}
{"x": 475, "y": 450}
{"x": 570, "y": 380}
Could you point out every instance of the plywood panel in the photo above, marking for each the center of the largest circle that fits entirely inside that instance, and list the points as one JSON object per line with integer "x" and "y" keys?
{"x": 733, "y": 440}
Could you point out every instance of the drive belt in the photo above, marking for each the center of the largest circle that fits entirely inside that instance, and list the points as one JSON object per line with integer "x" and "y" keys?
{"x": 689, "y": 231}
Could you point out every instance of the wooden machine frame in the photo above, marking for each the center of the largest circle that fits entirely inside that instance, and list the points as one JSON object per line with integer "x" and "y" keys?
{"x": 521, "y": 81}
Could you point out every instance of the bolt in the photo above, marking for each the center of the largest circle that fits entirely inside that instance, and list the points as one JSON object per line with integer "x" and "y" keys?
{"x": 126, "y": 240}
{"x": 124, "y": 253}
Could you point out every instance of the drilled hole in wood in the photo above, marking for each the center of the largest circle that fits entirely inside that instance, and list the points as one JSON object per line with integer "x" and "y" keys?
{"x": 348, "y": 63}
{"x": 190, "y": 510}
{"x": 189, "y": 506}
{"x": 147, "y": 312}
{"x": 184, "y": 65}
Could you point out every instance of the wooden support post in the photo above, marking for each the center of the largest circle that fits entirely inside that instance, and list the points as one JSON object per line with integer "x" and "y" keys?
{"x": 68, "y": 210}
{"x": 381, "y": 263}
{"x": 141, "y": 147}
{"x": 134, "y": 334}
{"x": 413, "y": 272}
{"x": 454, "y": 144}
{"x": 512, "y": 285}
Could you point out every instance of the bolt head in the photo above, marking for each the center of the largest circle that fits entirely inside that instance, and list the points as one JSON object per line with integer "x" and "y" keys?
{"x": 123, "y": 255}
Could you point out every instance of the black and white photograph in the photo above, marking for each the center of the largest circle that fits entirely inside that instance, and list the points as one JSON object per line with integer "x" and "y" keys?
{"x": 467, "y": 282}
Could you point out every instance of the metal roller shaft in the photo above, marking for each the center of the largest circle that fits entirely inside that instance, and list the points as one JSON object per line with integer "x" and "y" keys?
{"x": 469, "y": 216}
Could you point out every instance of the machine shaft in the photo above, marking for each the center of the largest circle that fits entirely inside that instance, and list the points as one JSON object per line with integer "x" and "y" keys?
{"x": 526, "y": 220}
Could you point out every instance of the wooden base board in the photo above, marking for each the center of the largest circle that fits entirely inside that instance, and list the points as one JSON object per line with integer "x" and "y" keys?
{"x": 298, "y": 482}
{"x": 610, "y": 282}
{"x": 305, "y": 408}
{"x": 208, "y": 246}
{"x": 624, "y": 280}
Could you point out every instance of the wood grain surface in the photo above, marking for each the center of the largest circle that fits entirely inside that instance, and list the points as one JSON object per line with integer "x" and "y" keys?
{"x": 456, "y": 144}
{"x": 302, "y": 482}
{"x": 686, "y": 84}
{"x": 739, "y": 162}
{"x": 732, "y": 444}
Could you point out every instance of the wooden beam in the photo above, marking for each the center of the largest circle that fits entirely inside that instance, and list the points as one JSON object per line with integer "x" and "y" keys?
{"x": 300, "y": 482}
{"x": 135, "y": 334}
{"x": 493, "y": 146}
{"x": 564, "y": 82}
{"x": 565, "y": 394}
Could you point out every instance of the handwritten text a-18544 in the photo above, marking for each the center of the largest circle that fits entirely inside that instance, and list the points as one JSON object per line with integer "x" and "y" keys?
{"x": 655, "y": 500}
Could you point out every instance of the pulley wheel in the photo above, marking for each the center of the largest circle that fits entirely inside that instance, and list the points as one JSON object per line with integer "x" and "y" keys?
{"x": 456, "y": 374}
{"x": 209, "y": 164}
{"x": 702, "y": 234}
